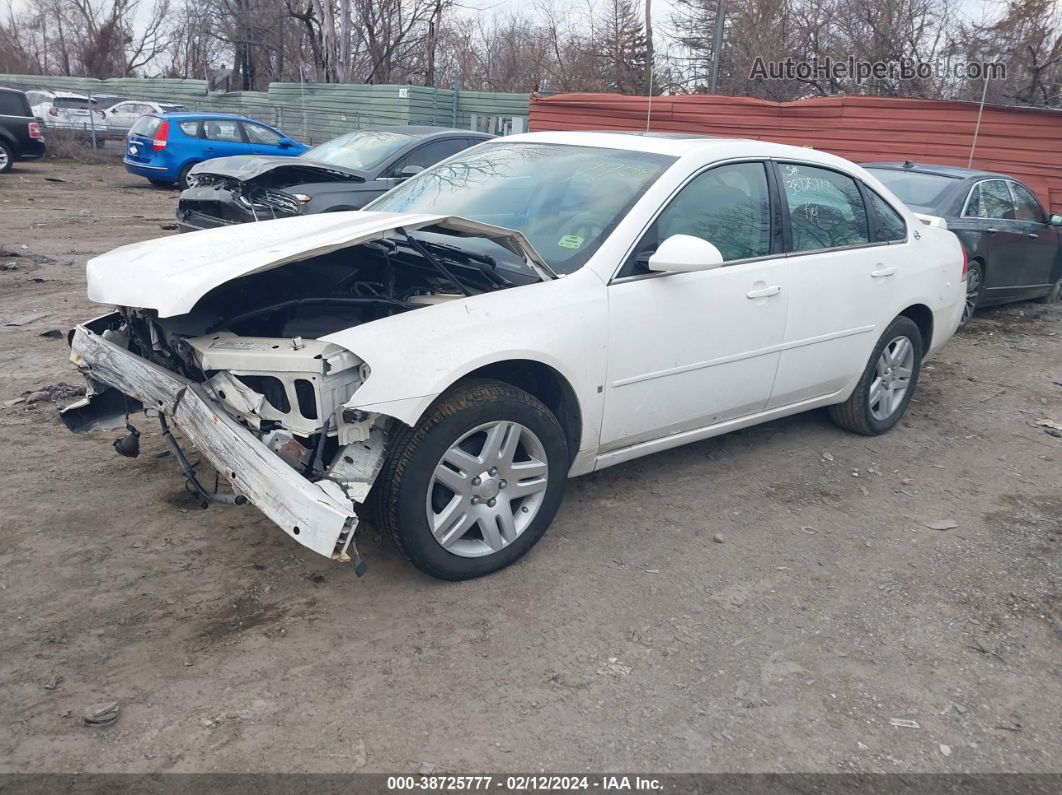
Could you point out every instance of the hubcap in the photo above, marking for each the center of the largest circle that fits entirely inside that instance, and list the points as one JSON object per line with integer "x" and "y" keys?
{"x": 893, "y": 378}
{"x": 3, "y": 157}
{"x": 973, "y": 288}
{"x": 487, "y": 489}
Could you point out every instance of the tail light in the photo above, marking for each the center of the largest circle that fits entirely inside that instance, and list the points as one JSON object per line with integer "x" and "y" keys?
{"x": 102, "y": 115}
{"x": 34, "y": 130}
{"x": 162, "y": 134}
{"x": 53, "y": 111}
{"x": 965, "y": 261}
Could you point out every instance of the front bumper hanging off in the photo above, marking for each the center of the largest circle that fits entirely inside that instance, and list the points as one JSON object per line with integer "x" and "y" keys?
{"x": 315, "y": 514}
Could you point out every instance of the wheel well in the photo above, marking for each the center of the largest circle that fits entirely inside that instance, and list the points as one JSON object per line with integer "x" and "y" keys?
{"x": 547, "y": 385}
{"x": 923, "y": 318}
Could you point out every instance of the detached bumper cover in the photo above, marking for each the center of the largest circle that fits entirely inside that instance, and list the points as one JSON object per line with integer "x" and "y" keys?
{"x": 304, "y": 510}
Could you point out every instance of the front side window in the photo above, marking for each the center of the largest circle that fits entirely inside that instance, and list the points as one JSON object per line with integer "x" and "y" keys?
{"x": 729, "y": 206}
{"x": 1026, "y": 208}
{"x": 825, "y": 208}
{"x": 428, "y": 155}
{"x": 222, "y": 130}
{"x": 990, "y": 199}
{"x": 259, "y": 134}
{"x": 566, "y": 200}
{"x": 889, "y": 225}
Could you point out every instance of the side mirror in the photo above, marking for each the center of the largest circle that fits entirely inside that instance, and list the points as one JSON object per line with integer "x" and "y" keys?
{"x": 685, "y": 254}
{"x": 409, "y": 171}
{"x": 286, "y": 143}
{"x": 1056, "y": 220}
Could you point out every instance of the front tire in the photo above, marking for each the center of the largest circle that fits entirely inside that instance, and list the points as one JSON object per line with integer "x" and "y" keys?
{"x": 182, "y": 178}
{"x": 888, "y": 383}
{"x": 7, "y": 158}
{"x": 474, "y": 486}
{"x": 1052, "y": 296}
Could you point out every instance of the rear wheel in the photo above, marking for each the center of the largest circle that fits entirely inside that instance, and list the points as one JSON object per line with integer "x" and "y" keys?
{"x": 182, "y": 178}
{"x": 975, "y": 286}
{"x": 887, "y": 384}
{"x": 476, "y": 483}
{"x": 7, "y": 158}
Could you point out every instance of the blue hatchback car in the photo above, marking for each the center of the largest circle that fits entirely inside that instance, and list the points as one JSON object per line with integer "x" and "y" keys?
{"x": 163, "y": 147}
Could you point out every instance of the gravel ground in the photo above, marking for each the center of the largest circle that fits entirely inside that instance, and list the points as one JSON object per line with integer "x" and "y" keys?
{"x": 771, "y": 600}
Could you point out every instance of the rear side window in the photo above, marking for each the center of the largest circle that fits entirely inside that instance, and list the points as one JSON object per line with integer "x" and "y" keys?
{"x": 825, "y": 208}
{"x": 73, "y": 102}
{"x": 990, "y": 199}
{"x": 222, "y": 130}
{"x": 145, "y": 126}
{"x": 888, "y": 224}
{"x": 189, "y": 127}
{"x": 13, "y": 104}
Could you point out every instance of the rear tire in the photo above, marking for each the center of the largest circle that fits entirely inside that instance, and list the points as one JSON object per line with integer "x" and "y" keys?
{"x": 7, "y": 158}
{"x": 182, "y": 178}
{"x": 457, "y": 509}
{"x": 975, "y": 288}
{"x": 158, "y": 183}
{"x": 877, "y": 404}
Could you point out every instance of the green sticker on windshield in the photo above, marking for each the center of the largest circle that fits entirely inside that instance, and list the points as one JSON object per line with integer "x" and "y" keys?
{"x": 570, "y": 241}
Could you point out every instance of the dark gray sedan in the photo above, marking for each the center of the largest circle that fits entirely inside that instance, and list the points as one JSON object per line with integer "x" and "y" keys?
{"x": 345, "y": 173}
{"x": 1014, "y": 248}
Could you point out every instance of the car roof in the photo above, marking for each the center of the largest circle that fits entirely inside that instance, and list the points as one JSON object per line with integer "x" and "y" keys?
{"x": 192, "y": 115}
{"x": 955, "y": 172}
{"x": 428, "y": 131}
{"x": 681, "y": 145}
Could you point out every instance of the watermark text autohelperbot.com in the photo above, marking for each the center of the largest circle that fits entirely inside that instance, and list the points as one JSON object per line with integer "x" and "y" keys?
{"x": 841, "y": 69}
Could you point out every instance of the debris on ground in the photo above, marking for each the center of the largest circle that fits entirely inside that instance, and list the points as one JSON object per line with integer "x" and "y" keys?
{"x": 904, "y": 723}
{"x": 718, "y": 538}
{"x": 101, "y": 715}
{"x": 54, "y": 682}
{"x": 24, "y": 320}
{"x": 168, "y": 227}
{"x": 52, "y": 333}
{"x": 941, "y": 524}
{"x": 53, "y": 393}
{"x": 945, "y": 750}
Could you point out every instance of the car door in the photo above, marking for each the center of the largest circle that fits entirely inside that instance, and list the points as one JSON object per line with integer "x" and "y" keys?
{"x": 991, "y": 208}
{"x": 842, "y": 280}
{"x": 262, "y": 140}
{"x": 123, "y": 115}
{"x": 689, "y": 350}
{"x": 223, "y": 138}
{"x": 1041, "y": 244}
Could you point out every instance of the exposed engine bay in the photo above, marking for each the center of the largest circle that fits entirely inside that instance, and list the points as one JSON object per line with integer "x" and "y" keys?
{"x": 252, "y": 343}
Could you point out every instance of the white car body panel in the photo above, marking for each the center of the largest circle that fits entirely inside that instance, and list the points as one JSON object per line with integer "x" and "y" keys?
{"x": 653, "y": 361}
{"x": 170, "y": 274}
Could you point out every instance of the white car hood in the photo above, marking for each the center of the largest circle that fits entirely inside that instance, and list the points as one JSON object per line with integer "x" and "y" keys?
{"x": 172, "y": 273}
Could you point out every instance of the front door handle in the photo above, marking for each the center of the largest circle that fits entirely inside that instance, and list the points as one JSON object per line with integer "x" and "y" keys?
{"x": 991, "y": 230}
{"x": 1033, "y": 235}
{"x": 764, "y": 292}
{"x": 882, "y": 272}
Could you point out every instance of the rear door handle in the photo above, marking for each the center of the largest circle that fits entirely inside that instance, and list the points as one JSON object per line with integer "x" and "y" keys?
{"x": 882, "y": 272}
{"x": 764, "y": 292}
{"x": 1033, "y": 235}
{"x": 991, "y": 230}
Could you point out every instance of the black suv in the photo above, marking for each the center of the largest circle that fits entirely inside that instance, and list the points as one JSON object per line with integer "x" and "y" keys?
{"x": 20, "y": 135}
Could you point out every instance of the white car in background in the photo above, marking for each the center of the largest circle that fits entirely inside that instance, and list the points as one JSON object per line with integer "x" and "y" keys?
{"x": 121, "y": 116}
{"x": 66, "y": 111}
{"x": 534, "y": 308}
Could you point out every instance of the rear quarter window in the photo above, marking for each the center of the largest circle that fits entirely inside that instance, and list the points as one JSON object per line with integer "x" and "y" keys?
{"x": 190, "y": 128}
{"x": 888, "y": 224}
{"x": 14, "y": 104}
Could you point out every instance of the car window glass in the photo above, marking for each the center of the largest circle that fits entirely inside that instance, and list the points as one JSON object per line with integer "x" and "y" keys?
{"x": 222, "y": 130}
{"x": 729, "y": 206}
{"x": 11, "y": 104}
{"x": 1026, "y": 208}
{"x": 913, "y": 187}
{"x": 145, "y": 126}
{"x": 990, "y": 199}
{"x": 889, "y": 223}
{"x": 258, "y": 134}
{"x": 428, "y": 155}
{"x": 189, "y": 127}
{"x": 825, "y": 208}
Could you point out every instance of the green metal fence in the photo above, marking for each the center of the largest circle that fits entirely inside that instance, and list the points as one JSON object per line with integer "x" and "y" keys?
{"x": 312, "y": 112}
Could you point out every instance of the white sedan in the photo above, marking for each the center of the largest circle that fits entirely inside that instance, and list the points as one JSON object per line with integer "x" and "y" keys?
{"x": 532, "y": 309}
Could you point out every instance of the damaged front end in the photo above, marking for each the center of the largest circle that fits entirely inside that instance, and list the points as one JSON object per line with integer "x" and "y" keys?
{"x": 226, "y": 335}
{"x": 267, "y": 414}
{"x": 236, "y": 190}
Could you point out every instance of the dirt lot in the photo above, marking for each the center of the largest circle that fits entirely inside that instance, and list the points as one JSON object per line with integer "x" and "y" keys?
{"x": 628, "y": 639}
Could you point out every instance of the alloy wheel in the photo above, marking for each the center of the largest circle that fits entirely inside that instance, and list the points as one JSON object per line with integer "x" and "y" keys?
{"x": 893, "y": 378}
{"x": 487, "y": 489}
{"x": 973, "y": 292}
{"x": 3, "y": 158}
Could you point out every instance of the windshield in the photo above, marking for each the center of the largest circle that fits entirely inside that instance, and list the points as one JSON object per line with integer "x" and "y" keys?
{"x": 361, "y": 151}
{"x": 913, "y": 187}
{"x": 564, "y": 199}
